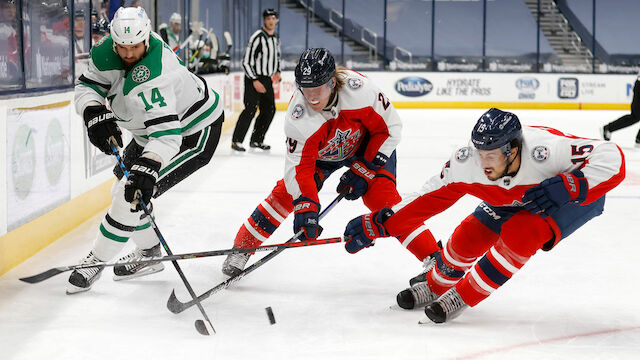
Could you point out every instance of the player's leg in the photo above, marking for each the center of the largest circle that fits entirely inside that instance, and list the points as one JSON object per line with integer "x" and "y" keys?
{"x": 115, "y": 230}
{"x": 244, "y": 120}
{"x": 263, "y": 121}
{"x": 195, "y": 152}
{"x": 266, "y": 218}
{"x": 626, "y": 120}
{"x": 382, "y": 191}
{"x": 445, "y": 268}
{"x": 520, "y": 238}
{"x": 262, "y": 223}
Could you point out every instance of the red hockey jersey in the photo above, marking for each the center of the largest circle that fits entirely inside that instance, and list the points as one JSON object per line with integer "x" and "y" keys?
{"x": 546, "y": 152}
{"x": 335, "y": 135}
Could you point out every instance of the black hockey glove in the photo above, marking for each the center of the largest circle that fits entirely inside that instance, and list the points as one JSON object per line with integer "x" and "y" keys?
{"x": 142, "y": 178}
{"x": 359, "y": 176}
{"x": 362, "y": 231}
{"x": 306, "y": 218}
{"x": 101, "y": 126}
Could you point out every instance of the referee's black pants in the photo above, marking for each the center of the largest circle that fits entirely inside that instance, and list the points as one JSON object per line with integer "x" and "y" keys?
{"x": 629, "y": 119}
{"x": 252, "y": 100}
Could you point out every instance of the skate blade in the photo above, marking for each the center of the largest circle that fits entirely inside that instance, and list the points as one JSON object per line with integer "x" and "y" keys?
{"x": 143, "y": 272}
{"x": 425, "y": 321}
{"x": 72, "y": 289}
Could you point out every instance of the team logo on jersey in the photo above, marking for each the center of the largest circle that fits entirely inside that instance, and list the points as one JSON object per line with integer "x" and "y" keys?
{"x": 140, "y": 74}
{"x": 354, "y": 83}
{"x": 540, "y": 153}
{"x": 340, "y": 146}
{"x": 462, "y": 154}
{"x": 297, "y": 112}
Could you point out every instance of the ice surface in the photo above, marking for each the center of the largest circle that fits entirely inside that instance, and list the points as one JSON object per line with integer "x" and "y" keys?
{"x": 579, "y": 301}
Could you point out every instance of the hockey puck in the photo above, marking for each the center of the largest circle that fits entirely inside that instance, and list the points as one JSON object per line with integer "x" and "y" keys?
{"x": 272, "y": 319}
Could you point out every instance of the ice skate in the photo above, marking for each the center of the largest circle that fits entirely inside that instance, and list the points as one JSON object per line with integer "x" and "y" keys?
{"x": 81, "y": 280}
{"x": 237, "y": 146}
{"x": 259, "y": 145}
{"x": 124, "y": 272}
{"x": 429, "y": 263}
{"x": 448, "y": 306}
{"x": 418, "y": 295}
{"x": 234, "y": 264}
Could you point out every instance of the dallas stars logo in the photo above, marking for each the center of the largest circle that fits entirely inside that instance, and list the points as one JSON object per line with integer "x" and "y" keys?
{"x": 140, "y": 74}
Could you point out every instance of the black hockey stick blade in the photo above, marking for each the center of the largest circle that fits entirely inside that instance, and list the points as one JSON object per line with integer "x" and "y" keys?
{"x": 201, "y": 327}
{"x": 44, "y": 275}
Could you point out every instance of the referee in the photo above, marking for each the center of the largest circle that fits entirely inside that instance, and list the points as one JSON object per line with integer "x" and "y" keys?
{"x": 261, "y": 61}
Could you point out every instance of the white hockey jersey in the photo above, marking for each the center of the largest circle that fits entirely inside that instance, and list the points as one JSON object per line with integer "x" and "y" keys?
{"x": 159, "y": 101}
{"x": 546, "y": 152}
{"x": 335, "y": 135}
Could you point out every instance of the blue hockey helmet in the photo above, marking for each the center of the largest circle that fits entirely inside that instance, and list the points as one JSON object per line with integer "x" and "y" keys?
{"x": 315, "y": 67}
{"x": 496, "y": 129}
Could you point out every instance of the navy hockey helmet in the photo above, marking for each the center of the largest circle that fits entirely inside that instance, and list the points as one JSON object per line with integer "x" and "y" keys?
{"x": 269, "y": 12}
{"x": 496, "y": 129}
{"x": 315, "y": 67}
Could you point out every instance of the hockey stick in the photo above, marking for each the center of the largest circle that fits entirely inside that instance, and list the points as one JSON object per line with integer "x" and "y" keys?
{"x": 59, "y": 270}
{"x": 199, "y": 324}
{"x": 176, "y": 306}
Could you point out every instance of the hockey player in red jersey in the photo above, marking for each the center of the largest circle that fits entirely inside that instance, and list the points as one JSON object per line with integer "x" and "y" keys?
{"x": 336, "y": 118}
{"x": 538, "y": 185}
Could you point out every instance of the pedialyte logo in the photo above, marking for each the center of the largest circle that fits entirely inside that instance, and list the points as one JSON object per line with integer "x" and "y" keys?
{"x": 54, "y": 152}
{"x": 23, "y": 161}
{"x": 413, "y": 86}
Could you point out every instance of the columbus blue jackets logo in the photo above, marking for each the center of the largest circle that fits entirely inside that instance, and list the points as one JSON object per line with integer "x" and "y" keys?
{"x": 140, "y": 74}
{"x": 297, "y": 112}
{"x": 354, "y": 83}
{"x": 462, "y": 154}
{"x": 341, "y": 145}
{"x": 540, "y": 153}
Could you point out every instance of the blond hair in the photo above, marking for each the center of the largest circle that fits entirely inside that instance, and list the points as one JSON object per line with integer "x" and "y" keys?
{"x": 341, "y": 77}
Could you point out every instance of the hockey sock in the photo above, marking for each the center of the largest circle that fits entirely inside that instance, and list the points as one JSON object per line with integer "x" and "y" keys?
{"x": 264, "y": 220}
{"x": 492, "y": 271}
{"x": 450, "y": 268}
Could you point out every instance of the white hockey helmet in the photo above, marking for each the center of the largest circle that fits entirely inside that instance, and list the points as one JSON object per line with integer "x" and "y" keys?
{"x": 175, "y": 19}
{"x": 130, "y": 26}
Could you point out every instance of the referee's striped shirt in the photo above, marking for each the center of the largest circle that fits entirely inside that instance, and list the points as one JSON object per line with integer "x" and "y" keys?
{"x": 262, "y": 57}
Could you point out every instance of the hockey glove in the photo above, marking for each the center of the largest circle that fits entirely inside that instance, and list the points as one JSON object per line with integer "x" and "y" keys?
{"x": 101, "y": 126}
{"x": 362, "y": 231}
{"x": 306, "y": 218}
{"x": 359, "y": 176}
{"x": 548, "y": 196}
{"x": 142, "y": 179}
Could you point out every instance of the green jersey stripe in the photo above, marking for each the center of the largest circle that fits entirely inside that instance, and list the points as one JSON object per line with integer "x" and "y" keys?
{"x": 142, "y": 227}
{"x": 204, "y": 115}
{"x": 111, "y": 236}
{"x": 203, "y": 140}
{"x": 158, "y": 134}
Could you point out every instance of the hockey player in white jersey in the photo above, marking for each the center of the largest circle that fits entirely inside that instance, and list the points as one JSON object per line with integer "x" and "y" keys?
{"x": 538, "y": 185}
{"x": 175, "y": 120}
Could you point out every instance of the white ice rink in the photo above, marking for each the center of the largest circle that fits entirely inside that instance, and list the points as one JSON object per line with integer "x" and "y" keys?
{"x": 579, "y": 301}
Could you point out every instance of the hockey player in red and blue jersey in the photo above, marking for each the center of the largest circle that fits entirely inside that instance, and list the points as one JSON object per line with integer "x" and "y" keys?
{"x": 538, "y": 185}
{"x": 336, "y": 118}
